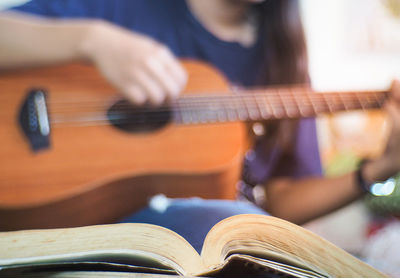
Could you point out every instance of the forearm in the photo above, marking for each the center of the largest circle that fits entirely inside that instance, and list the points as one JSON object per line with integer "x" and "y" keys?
{"x": 30, "y": 41}
{"x": 302, "y": 200}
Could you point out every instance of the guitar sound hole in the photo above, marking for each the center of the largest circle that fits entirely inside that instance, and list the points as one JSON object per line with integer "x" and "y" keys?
{"x": 127, "y": 117}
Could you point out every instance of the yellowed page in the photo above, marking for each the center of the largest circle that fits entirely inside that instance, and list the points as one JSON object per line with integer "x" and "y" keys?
{"x": 142, "y": 241}
{"x": 275, "y": 239}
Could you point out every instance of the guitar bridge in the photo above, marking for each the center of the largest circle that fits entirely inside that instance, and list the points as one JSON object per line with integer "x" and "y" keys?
{"x": 34, "y": 120}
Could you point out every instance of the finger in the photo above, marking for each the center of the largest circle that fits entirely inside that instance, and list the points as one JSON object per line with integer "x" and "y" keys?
{"x": 395, "y": 90}
{"x": 393, "y": 109}
{"x": 167, "y": 81}
{"x": 174, "y": 67}
{"x": 151, "y": 86}
{"x": 135, "y": 95}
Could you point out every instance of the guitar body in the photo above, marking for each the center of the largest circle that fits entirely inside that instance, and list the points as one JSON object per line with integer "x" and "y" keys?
{"x": 92, "y": 174}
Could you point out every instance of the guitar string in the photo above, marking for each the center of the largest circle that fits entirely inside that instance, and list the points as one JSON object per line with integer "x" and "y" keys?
{"x": 251, "y": 108}
{"x": 223, "y": 108}
{"x": 246, "y": 104}
{"x": 238, "y": 102}
{"x": 188, "y": 119}
{"x": 245, "y": 101}
{"x": 247, "y": 107}
{"x": 214, "y": 116}
{"x": 195, "y": 116}
{"x": 287, "y": 95}
{"x": 130, "y": 121}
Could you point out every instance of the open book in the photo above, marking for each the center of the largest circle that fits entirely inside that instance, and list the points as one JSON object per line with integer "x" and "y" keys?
{"x": 251, "y": 244}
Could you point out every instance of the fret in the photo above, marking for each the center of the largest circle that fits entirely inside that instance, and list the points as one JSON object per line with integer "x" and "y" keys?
{"x": 361, "y": 101}
{"x": 379, "y": 100}
{"x": 264, "y": 112}
{"x": 269, "y": 105}
{"x": 276, "y": 112}
{"x": 186, "y": 117}
{"x": 247, "y": 105}
{"x": 313, "y": 108}
{"x": 219, "y": 115}
{"x": 205, "y": 111}
{"x": 325, "y": 106}
{"x": 201, "y": 115}
{"x": 195, "y": 115}
{"x": 343, "y": 101}
{"x": 345, "y": 105}
{"x": 373, "y": 99}
{"x": 222, "y": 115}
{"x": 184, "y": 114}
{"x": 335, "y": 102}
{"x": 296, "y": 100}
{"x": 251, "y": 106}
{"x": 190, "y": 116}
{"x": 352, "y": 101}
{"x": 211, "y": 112}
{"x": 376, "y": 100}
{"x": 305, "y": 106}
{"x": 340, "y": 104}
{"x": 320, "y": 103}
{"x": 280, "y": 103}
{"x": 257, "y": 107}
{"x": 294, "y": 106}
{"x": 230, "y": 111}
{"x": 187, "y": 114}
{"x": 327, "y": 102}
{"x": 217, "y": 109}
{"x": 177, "y": 116}
{"x": 359, "y": 98}
{"x": 365, "y": 100}
{"x": 241, "y": 108}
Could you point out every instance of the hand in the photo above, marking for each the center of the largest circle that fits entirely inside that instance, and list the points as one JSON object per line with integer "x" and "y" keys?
{"x": 392, "y": 151}
{"x": 389, "y": 163}
{"x": 139, "y": 67}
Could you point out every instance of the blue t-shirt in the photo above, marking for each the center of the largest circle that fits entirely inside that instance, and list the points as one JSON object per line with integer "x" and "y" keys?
{"x": 172, "y": 23}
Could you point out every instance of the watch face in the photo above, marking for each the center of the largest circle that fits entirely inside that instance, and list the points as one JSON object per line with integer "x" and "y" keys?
{"x": 383, "y": 188}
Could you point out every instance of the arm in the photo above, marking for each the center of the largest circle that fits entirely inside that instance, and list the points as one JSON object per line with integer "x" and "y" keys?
{"x": 141, "y": 68}
{"x": 33, "y": 41}
{"x": 303, "y": 200}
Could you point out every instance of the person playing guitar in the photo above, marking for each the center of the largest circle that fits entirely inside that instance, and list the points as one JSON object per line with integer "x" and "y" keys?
{"x": 137, "y": 45}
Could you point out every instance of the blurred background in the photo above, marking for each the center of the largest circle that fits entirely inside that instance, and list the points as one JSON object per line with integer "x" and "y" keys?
{"x": 353, "y": 45}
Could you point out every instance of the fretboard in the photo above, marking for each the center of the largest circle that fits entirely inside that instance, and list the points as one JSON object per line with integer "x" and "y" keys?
{"x": 256, "y": 105}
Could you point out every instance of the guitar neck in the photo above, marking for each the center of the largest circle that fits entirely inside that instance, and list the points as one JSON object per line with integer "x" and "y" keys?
{"x": 256, "y": 105}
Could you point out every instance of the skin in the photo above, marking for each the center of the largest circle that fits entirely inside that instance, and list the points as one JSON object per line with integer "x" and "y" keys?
{"x": 145, "y": 71}
{"x": 139, "y": 67}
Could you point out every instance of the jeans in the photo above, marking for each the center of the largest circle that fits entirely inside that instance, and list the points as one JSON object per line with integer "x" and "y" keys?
{"x": 191, "y": 218}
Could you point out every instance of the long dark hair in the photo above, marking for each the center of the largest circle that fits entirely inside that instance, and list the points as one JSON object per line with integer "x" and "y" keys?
{"x": 287, "y": 55}
{"x": 286, "y": 62}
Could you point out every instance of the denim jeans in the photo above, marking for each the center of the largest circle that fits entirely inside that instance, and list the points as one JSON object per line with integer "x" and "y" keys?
{"x": 191, "y": 218}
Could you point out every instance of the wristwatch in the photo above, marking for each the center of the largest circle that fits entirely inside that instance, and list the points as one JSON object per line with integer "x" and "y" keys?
{"x": 360, "y": 181}
{"x": 384, "y": 188}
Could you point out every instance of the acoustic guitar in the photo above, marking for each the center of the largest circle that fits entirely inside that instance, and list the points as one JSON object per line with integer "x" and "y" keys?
{"x": 73, "y": 152}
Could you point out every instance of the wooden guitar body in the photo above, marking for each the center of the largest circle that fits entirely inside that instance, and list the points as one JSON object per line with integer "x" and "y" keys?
{"x": 93, "y": 174}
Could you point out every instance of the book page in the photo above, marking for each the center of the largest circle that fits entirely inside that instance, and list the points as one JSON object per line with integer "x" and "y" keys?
{"x": 150, "y": 245}
{"x": 277, "y": 240}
